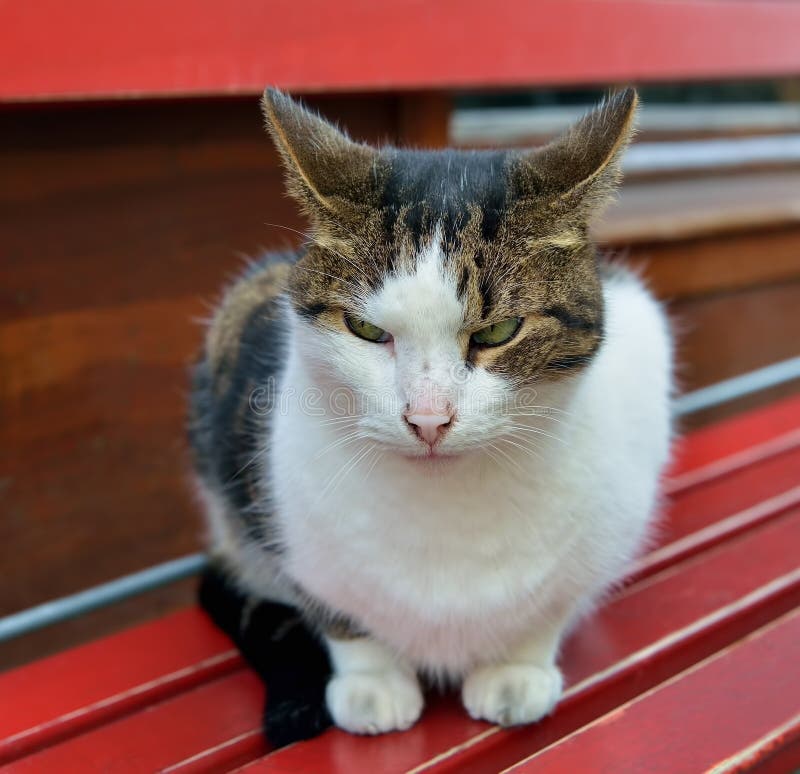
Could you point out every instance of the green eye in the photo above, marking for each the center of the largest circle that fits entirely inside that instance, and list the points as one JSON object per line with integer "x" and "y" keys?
{"x": 499, "y": 333}
{"x": 366, "y": 330}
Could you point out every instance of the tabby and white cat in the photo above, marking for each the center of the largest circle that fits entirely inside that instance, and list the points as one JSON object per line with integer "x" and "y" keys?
{"x": 436, "y": 431}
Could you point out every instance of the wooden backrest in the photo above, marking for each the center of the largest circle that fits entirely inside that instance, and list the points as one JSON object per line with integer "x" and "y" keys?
{"x": 150, "y": 48}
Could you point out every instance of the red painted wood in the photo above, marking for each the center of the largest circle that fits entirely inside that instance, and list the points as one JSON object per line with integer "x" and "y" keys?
{"x": 729, "y": 446}
{"x": 70, "y": 692}
{"x": 648, "y": 633}
{"x": 236, "y": 751}
{"x": 93, "y": 48}
{"x": 164, "y": 734}
{"x": 749, "y": 693}
{"x": 702, "y": 516}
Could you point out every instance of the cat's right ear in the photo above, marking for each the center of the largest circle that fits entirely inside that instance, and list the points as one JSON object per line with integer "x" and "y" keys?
{"x": 326, "y": 170}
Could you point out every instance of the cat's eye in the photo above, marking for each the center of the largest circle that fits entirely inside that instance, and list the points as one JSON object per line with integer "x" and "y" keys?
{"x": 498, "y": 333}
{"x": 366, "y": 330}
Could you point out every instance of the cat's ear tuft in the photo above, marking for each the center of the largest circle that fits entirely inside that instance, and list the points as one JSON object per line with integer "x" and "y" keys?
{"x": 324, "y": 167}
{"x": 584, "y": 163}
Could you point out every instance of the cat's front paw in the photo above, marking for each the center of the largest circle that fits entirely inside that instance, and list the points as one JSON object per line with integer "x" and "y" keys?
{"x": 512, "y": 694}
{"x": 374, "y": 702}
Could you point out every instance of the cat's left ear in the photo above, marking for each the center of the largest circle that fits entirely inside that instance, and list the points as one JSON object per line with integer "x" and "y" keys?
{"x": 325, "y": 169}
{"x": 582, "y": 166}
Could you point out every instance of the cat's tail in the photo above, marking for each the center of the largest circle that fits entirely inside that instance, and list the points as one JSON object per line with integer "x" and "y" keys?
{"x": 285, "y": 653}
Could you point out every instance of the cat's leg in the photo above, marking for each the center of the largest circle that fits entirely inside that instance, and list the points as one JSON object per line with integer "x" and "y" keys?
{"x": 523, "y": 688}
{"x": 371, "y": 691}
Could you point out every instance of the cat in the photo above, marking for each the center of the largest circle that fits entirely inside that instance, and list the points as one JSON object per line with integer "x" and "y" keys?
{"x": 430, "y": 440}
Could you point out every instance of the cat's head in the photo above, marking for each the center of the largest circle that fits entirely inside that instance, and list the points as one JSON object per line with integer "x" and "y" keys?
{"x": 438, "y": 289}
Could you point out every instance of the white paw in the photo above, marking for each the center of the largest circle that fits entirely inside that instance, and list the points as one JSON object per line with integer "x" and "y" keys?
{"x": 512, "y": 694}
{"x": 374, "y": 702}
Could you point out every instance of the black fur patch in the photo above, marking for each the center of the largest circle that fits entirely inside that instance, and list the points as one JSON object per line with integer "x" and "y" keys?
{"x": 569, "y": 319}
{"x": 463, "y": 282}
{"x": 311, "y": 311}
{"x": 282, "y": 650}
{"x": 575, "y": 362}
{"x": 486, "y": 296}
{"x": 438, "y": 187}
{"x": 570, "y": 362}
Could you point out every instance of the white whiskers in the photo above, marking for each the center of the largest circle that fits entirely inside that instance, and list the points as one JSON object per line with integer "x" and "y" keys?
{"x": 341, "y": 473}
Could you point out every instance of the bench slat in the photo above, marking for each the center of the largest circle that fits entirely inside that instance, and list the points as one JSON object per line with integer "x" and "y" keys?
{"x": 167, "y": 732}
{"x": 737, "y": 711}
{"x": 702, "y": 516}
{"x": 67, "y": 693}
{"x": 722, "y": 448}
{"x": 649, "y": 632}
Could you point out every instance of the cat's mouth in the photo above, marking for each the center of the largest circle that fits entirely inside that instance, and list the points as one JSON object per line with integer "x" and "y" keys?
{"x": 432, "y": 456}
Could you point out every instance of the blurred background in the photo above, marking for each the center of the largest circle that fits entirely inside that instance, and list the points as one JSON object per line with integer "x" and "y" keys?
{"x": 134, "y": 175}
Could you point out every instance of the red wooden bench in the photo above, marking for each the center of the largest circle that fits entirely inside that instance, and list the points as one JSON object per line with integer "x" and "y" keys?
{"x": 692, "y": 664}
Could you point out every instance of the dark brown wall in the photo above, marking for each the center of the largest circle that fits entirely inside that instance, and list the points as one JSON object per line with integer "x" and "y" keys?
{"x": 118, "y": 225}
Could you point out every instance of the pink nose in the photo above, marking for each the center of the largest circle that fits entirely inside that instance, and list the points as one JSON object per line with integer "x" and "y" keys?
{"x": 429, "y": 427}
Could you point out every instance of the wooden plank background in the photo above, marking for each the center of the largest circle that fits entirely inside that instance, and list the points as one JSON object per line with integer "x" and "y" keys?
{"x": 118, "y": 225}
